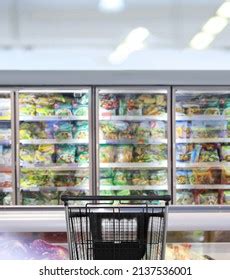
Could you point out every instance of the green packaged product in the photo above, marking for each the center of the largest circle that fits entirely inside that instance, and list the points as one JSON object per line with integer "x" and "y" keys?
{"x": 65, "y": 153}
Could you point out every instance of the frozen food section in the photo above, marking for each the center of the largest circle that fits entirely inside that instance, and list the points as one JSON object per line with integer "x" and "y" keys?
{"x": 6, "y": 149}
{"x": 53, "y": 135}
{"x": 133, "y": 140}
{"x": 202, "y": 145}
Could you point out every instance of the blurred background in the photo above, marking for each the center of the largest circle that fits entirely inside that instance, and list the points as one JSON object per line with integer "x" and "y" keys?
{"x": 114, "y": 34}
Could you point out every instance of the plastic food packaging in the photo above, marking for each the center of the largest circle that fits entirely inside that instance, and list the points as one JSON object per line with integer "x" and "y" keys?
{"x": 158, "y": 177}
{"x": 192, "y": 109}
{"x": 27, "y": 153}
{"x": 225, "y": 176}
{"x": 183, "y": 130}
{"x": 120, "y": 178}
{"x": 108, "y": 105}
{"x": 65, "y": 153}
{"x": 202, "y": 176}
{"x": 108, "y": 131}
{"x": 82, "y": 154}
{"x": 184, "y": 152}
{"x": 27, "y": 98}
{"x": 63, "y": 130}
{"x": 27, "y": 109}
{"x": 209, "y": 129}
{"x": 158, "y": 129}
{"x": 209, "y": 153}
{"x": 65, "y": 179}
{"x": 140, "y": 178}
{"x": 185, "y": 198}
{"x": 209, "y": 197}
{"x": 134, "y": 105}
{"x": 143, "y": 131}
{"x": 81, "y": 131}
{"x": 124, "y": 153}
{"x": 5, "y": 155}
{"x": 44, "y": 154}
{"x": 227, "y": 197}
{"x": 5, "y": 180}
{"x": 5, "y": 133}
{"x": 107, "y": 153}
{"x": 182, "y": 177}
{"x": 80, "y": 110}
{"x": 225, "y": 152}
{"x": 44, "y": 111}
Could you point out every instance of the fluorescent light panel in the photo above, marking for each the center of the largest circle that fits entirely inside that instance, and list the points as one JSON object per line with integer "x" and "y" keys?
{"x": 215, "y": 25}
{"x": 111, "y": 6}
{"x": 224, "y": 10}
{"x": 201, "y": 41}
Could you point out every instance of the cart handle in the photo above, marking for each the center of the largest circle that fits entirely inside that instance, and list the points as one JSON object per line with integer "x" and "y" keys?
{"x": 166, "y": 198}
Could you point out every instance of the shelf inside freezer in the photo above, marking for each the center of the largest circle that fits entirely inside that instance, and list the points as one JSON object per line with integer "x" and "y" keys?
{"x": 5, "y": 142}
{"x": 203, "y": 140}
{"x": 5, "y": 119}
{"x": 203, "y": 187}
{"x": 53, "y": 141}
{"x": 6, "y": 190}
{"x": 54, "y": 167}
{"x": 202, "y": 165}
{"x": 138, "y": 165}
{"x": 203, "y": 118}
{"x": 134, "y": 142}
{"x": 60, "y": 189}
{"x": 52, "y": 118}
{"x": 135, "y": 188}
{"x": 134, "y": 118}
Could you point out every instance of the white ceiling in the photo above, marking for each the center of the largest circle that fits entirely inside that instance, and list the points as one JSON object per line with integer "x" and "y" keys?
{"x": 35, "y": 25}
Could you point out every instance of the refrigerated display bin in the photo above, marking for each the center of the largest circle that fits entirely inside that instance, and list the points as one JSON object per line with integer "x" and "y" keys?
{"x": 201, "y": 140}
{"x": 7, "y": 148}
{"x": 54, "y": 144}
{"x": 133, "y": 140}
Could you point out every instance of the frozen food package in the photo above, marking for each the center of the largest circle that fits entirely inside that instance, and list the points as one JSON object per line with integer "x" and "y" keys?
{"x": 180, "y": 111}
{"x": 82, "y": 99}
{"x": 143, "y": 131}
{"x": 120, "y": 178}
{"x": 227, "y": 197}
{"x": 212, "y": 111}
{"x": 185, "y": 198}
{"x": 109, "y": 103}
{"x": 81, "y": 130}
{"x": 25, "y": 131}
{"x": 44, "y": 111}
{"x": 158, "y": 177}
{"x": 209, "y": 129}
{"x": 5, "y": 155}
{"x": 107, "y": 153}
{"x": 184, "y": 152}
{"x": 82, "y": 156}
{"x": 183, "y": 129}
{"x": 82, "y": 181}
{"x": 106, "y": 173}
{"x": 106, "y": 181}
{"x": 225, "y": 152}
{"x": 134, "y": 105}
{"x": 27, "y": 153}
{"x": 191, "y": 177}
{"x": 80, "y": 111}
{"x": 5, "y": 199}
{"x": 65, "y": 153}
{"x": 150, "y": 153}
{"x": 161, "y": 100}
{"x": 209, "y": 197}
{"x": 5, "y": 104}
{"x": 152, "y": 99}
{"x": 65, "y": 179}
{"x": 63, "y": 130}
{"x": 27, "y": 110}
{"x": 5, "y": 133}
{"x": 225, "y": 176}
{"x": 63, "y": 108}
{"x": 27, "y": 98}
{"x": 158, "y": 129}
{"x": 128, "y": 131}
{"x": 122, "y": 106}
{"x": 209, "y": 153}
{"x": 226, "y": 112}
{"x": 5, "y": 180}
{"x": 192, "y": 109}
{"x": 108, "y": 131}
{"x": 140, "y": 178}
{"x": 44, "y": 154}
{"x": 182, "y": 177}
{"x": 202, "y": 176}
{"x": 124, "y": 153}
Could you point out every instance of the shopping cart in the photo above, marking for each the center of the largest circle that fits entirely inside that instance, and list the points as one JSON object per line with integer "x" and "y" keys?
{"x": 109, "y": 228}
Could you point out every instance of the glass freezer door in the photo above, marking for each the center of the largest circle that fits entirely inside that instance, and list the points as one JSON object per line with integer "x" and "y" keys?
{"x": 202, "y": 145}
{"x": 132, "y": 141}
{"x": 7, "y": 170}
{"x": 53, "y": 135}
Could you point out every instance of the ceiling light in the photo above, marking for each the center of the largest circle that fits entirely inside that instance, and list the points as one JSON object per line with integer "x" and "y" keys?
{"x": 111, "y": 5}
{"x": 215, "y": 25}
{"x": 137, "y": 35}
{"x": 201, "y": 41}
{"x": 224, "y": 10}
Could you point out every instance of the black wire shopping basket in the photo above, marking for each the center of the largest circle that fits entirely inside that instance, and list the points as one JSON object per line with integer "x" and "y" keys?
{"x": 109, "y": 231}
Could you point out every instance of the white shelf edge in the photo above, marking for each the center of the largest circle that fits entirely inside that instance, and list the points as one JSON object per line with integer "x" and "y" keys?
{"x": 203, "y": 165}
{"x": 134, "y": 165}
{"x": 133, "y": 142}
{"x": 202, "y": 187}
{"x": 140, "y": 187}
{"x": 52, "y": 141}
{"x": 132, "y": 118}
{"x": 203, "y": 140}
{"x": 61, "y": 189}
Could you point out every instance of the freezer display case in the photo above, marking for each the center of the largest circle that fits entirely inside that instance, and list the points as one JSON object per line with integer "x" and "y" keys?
{"x": 54, "y": 150}
{"x": 133, "y": 138}
{"x": 202, "y": 145}
{"x": 7, "y": 171}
